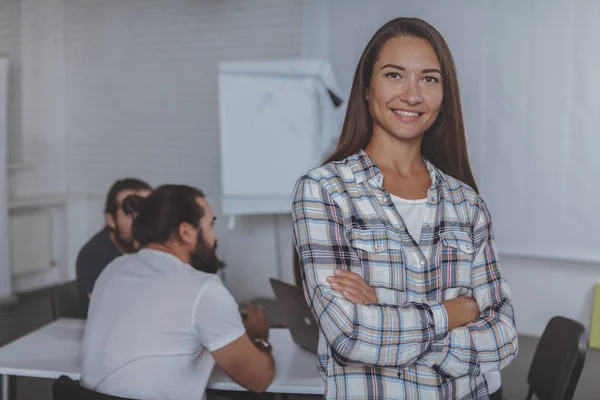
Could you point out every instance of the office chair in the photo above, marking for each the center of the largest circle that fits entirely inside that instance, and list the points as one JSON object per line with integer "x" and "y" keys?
{"x": 65, "y": 388}
{"x": 558, "y": 360}
{"x": 65, "y": 302}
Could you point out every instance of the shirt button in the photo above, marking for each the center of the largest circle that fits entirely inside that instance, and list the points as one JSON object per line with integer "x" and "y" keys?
{"x": 422, "y": 263}
{"x": 468, "y": 247}
{"x": 399, "y": 374}
{"x": 377, "y": 247}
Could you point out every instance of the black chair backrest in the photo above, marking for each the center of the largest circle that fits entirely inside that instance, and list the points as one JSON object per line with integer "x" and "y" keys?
{"x": 65, "y": 388}
{"x": 558, "y": 360}
{"x": 65, "y": 302}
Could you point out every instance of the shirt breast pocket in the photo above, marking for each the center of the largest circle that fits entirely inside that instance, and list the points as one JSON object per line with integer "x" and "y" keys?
{"x": 456, "y": 256}
{"x": 381, "y": 257}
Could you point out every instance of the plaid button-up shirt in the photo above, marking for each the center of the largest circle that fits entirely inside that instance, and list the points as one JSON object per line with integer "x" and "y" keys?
{"x": 401, "y": 348}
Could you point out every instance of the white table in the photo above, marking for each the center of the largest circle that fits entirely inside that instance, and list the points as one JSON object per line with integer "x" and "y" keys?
{"x": 55, "y": 350}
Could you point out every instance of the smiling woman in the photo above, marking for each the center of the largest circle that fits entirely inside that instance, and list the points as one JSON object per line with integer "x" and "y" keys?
{"x": 396, "y": 247}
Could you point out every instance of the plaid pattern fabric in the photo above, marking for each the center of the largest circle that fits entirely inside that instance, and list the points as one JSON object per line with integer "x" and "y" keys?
{"x": 401, "y": 348}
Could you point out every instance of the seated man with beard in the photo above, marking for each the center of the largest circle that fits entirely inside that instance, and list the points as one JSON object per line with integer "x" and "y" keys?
{"x": 112, "y": 241}
{"x": 159, "y": 320}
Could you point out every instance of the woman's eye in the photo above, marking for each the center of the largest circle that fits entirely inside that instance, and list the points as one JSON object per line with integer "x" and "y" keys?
{"x": 431, "y": 79}
{"x": 393, "y": 75}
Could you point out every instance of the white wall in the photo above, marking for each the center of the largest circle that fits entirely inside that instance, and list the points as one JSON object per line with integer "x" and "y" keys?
{"x": 10, "y": 46}
{"x": 30, "y": 37}
{"x": 34, "y": 41}
{"x": 141, "y": 101}
{"x": 541, "y": 288}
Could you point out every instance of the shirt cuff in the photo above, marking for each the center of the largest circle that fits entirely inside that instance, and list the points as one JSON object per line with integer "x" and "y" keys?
{"x": 440, "y": 320}
{"x": 436, "y": 354}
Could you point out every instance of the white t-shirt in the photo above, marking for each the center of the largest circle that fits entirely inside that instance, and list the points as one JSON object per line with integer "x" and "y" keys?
{"x": 412, "y": 213}
{"x": 152, "y": 323}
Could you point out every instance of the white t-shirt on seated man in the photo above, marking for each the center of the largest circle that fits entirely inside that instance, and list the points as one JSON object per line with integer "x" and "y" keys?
{"x": 157, "y": 323}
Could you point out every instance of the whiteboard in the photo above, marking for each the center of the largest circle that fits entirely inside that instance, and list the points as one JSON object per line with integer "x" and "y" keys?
{"x": 277, "y": 121}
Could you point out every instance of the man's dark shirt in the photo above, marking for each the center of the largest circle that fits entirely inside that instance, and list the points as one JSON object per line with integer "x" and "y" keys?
{"x": 93, "y": 257}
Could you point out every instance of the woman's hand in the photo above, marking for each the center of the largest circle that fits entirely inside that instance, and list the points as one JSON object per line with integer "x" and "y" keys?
{"x": 352, "y": 286}
{"x": 461, "y": 311}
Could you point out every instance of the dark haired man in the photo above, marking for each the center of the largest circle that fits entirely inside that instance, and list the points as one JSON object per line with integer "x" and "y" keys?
{"x": 159, "y": 320}
{"x": 112, "y": 241}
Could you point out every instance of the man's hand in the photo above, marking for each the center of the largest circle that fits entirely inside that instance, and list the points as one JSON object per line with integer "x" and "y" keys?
{"x": 256, "y": 323}
{"x": 461, "y": 311}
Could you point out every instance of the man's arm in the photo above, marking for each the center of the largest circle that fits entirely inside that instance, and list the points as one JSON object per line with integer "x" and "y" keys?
{"x": 219, "y": 326}
{"x": 246, "y": 365}
{"x": 490, "y": 342}
{"x": 373, "y": 334}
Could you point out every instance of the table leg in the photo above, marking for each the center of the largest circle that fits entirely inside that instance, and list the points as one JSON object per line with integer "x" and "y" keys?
{"x": 5, "y": 387}
{"x": 9, "y": 387}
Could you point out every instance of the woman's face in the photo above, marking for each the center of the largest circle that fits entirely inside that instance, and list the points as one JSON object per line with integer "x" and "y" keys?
{"x": 405, "y": 94}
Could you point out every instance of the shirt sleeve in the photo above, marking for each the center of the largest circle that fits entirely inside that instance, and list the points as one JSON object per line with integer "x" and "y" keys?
{"x": 490, "y": 343}
{"x": 374, "y": 334}
{"x": 216, "y": 317}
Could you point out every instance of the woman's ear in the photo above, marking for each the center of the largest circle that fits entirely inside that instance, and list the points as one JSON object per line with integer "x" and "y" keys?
{"x": 368, "y": 93}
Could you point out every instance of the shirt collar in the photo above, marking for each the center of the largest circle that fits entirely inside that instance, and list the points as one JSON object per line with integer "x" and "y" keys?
{"x": 165, "y": 259}
{"x": 364, "y": 169}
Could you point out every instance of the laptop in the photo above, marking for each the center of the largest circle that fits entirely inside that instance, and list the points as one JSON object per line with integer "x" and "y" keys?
{"x": 298, "y": 318}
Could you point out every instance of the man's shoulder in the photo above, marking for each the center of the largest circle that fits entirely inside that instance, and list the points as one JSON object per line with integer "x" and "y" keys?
{"x": 203, "y": 280}
{"x": 96, "y": 242}
{"x": 190, "y": 282}
{"x": 99, "y": 249}
{"x": 210, "y": 286}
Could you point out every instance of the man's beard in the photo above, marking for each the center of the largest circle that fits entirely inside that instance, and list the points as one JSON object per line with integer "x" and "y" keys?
{"x": 126, "y": 246}
{"x": 205, "y": 257}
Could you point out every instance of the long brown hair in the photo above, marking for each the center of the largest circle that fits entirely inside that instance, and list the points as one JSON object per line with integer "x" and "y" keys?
{"x": 444, "y": 144}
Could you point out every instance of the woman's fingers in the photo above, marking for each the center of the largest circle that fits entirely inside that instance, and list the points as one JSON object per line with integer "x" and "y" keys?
{"x": 351, "y": 291}
{"x": 353, "y": 298}
{"x": 348, "y": 281}
{"x": 352, "y": 283}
